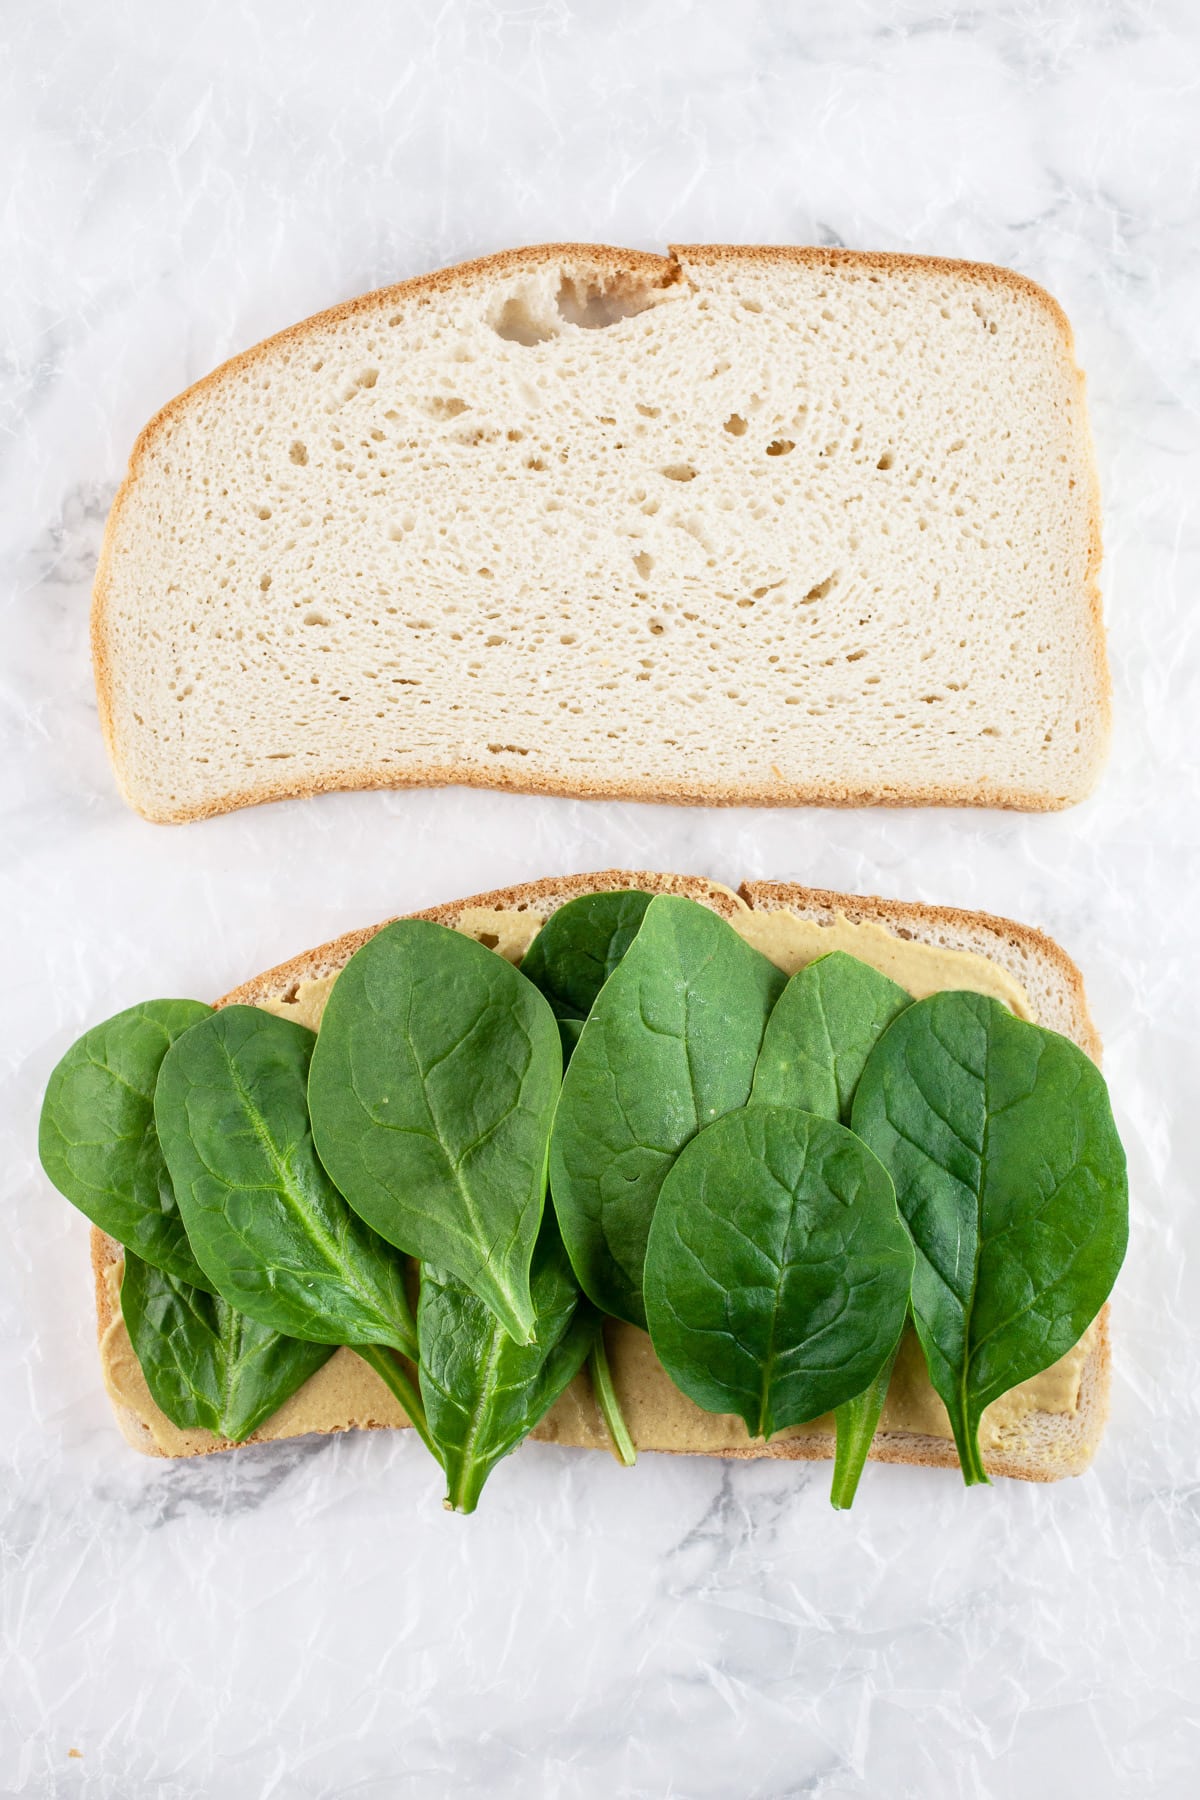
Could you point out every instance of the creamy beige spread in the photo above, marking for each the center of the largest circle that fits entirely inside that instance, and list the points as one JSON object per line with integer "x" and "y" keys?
{"x": 347, "y": 1393}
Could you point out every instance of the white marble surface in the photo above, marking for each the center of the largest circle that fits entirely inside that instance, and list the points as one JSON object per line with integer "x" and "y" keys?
{"x": 303, "y": 1620}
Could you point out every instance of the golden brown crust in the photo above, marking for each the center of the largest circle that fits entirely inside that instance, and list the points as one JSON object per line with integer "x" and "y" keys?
{"x": 665, "y": 793}
{"x": 611, "y": 263}
{"x": 1075, "y": 1440}
{"x": 886, "y": 262}
{"x": 105, "y": 1252}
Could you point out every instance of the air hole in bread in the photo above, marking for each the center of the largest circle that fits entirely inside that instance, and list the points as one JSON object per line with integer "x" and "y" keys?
{"x": 780, "y": 446}
{"x": 594, "y": 306}
{"x": 298, "y": 452}
{"x": 886, "y": 460}
{"x": 679, "y": 472}
{"x": 822, "y": 588}
{"x": 517, "y": 324}
{"x": 735, "y": 425}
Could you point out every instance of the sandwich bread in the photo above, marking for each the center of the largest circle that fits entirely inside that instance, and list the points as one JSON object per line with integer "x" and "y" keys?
{"x": 1047, "y": 1428}
{"x": 734, "y": 525}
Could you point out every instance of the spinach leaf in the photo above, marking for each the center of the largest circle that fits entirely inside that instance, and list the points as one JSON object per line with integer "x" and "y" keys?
{"x": 669, "y": 1046}
{"x": 432, "y": 1094}
{"x": 97, "y": 1140}
{"x": 483, "y": 1393}
{"x": 569, "y": 961}
{"x": 268, "y": 1226}
{"x": 1008, "y": 1168}
{"x": 577, "y": 950}
{"x": 778, "y": 1268}
{"x": 208, "y": 1366}
{"x": 825, "y": 1024}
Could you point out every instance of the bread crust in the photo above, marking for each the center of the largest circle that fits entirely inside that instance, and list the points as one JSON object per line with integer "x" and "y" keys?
{"x": 1073, "y": 1438}
{"x": 661, "y": 793}
{"x": 609, "y": 264}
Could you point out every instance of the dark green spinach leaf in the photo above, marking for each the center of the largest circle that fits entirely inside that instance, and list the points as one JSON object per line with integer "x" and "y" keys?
{"x": 569, "y": 961}
{"x": 1009, "y": 1171}
{"x": 483, "y": 1393}
{"x": 669, "y": 1046}
{"x": 208, "y": 1366}
{"x": 273, "y": 1234}
{"x": 432, "y": 1094}
{"x": 577, "y": 950}
{"x": 97, "y": 1139}
{"x": 778, "y": 1268}
{"x": 825, "y": 1023}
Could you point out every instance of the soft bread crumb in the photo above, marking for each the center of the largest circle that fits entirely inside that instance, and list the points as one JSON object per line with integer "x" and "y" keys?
{"x": 742, "y": 525}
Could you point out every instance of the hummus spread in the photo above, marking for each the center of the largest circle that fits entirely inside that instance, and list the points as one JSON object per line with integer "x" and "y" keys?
{"x": 347, "y": 1393}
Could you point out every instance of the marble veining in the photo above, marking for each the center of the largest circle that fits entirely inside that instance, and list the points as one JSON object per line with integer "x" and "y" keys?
{"x": 303, "y": 1620}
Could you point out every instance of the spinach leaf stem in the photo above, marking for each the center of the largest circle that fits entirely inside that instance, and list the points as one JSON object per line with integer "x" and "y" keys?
{"x": 623, "y": 1446}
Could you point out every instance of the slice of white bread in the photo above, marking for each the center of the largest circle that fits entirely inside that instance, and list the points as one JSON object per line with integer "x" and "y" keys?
{"x": 770, "y": 526}
{"x": 1047, "y": 1429}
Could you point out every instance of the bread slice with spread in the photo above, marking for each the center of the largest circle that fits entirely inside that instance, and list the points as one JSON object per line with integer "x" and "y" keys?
{"x": 1046, "y": 1428}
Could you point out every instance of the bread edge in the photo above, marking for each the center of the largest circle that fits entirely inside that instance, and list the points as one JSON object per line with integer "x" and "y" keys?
{"x": 1082, "y": 1430}
{"x": 668, "y": 271}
